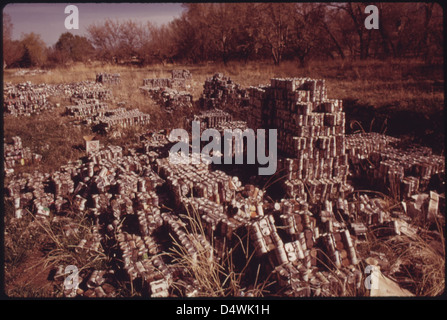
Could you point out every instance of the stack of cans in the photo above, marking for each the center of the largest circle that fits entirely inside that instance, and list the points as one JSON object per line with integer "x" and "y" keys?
{"x": 180, "y": 80}
{"x": 26, "y": 99}
{"x": 123, "y": 118}
{"x": 212, "y": 118}
{"x": 16, "y": 154}
{"x": 311, "y": 135}
{"x": 391, "y": 166}
{"x": 109, "y": 78}
{"x": 222, "y": 93}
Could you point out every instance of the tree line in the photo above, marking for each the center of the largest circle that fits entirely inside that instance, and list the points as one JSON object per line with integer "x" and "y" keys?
{"x": 226, "y": 32}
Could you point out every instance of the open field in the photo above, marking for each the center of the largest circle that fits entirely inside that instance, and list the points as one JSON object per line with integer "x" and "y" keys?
{"x": 399, "y": 98}
{"x": 409, "y": 94}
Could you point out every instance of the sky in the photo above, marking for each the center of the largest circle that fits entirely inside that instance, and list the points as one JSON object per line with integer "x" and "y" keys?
{"x": 48, "y": 19}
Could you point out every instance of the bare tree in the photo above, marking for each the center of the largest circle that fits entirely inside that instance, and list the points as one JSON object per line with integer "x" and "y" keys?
{"x": 132, "y": 37}
{"x": 276, "y": 27}
{"x": 329, "y": 26}
{"x": 12, "y": 50}
{"x": 201, "y": 41}
{"x": 303, "y": 31}
{"x": 106, "y": 39}
{"x": 161, "y": 46}
{"x": 248, "y": 34}
{"x": 355, "y": 12}
{"x": 308, "y": 33}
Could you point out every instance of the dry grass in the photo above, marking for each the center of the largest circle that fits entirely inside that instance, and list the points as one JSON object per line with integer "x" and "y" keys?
{"x": 416, "y": 261}
{"x": 215, "y": 277}
{"x": 378, "y": 83}
{"x": 48, "y": 134}
{"x": 36, "y": 245}
{"x": 421, "y": 266}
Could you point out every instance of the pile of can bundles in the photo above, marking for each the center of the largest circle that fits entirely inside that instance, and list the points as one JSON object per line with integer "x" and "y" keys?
{"x": 124, "y": 118}
{"x": 305, "y": 249}
{"x": 130, "y": 206}
{"x": 89, "y": 90}
{"x": 180, "y": 80}
{"x": 195, "y": 245}
{"x": 135, "y": 221}
{"x": 91, "y": 183}
{"x": 31, "y": 192}
{"x": 81, "y": 90}
{"x": 223, "y": 219}
{"x": 27, "y": 192}
{"x": 359, "y": 146}
{"x": 186, "y": 180}
{"x": 300, "y": 282}
{"x": 128, "y": 175}
{"x": 131, "y": 211}
{"x": 286, "y": 234}
{"x": 156, "y": 83}
{"x": 368, "y": 214}
{"x": 231, "y": 125}
{"x": 15, "y": 153}
{"x": 170, "y": 92}
{"x": 141, "y": 254}
{"x": 372, "y": 213}
{"x": 221, "y": 121}
{"x": 221, "y": 92}
{"x": 308, "y": 250}
{"x": 92, "y": 284}
{"x": 24, "y": 99}
{"x": 391, "y": 166}
{"x": 87, "y": 112}
{"x": 99, "y": 114}
{"x": 299, "y": 244}
{"x": 172, "y": 99}
{"x": 181, "y": 74}
{"x": 108, "y": 78}
{"x": 428, "y": 207}
{"x": 110, "y": 187}
{"x": 334, "y": 230}
{"x": 27, "y": 98}
{"x": 156, "y": 145}
{"x": 212, "y": 118}
{"x": 311, "y": 135}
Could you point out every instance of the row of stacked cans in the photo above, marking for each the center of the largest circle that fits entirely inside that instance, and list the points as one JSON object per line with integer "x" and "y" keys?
{"x": 212, "y": 118}
{"x": 180, "y": 79}
{"x": 125, "y": 118}
{"x": 15, "y": 153}
{"x": 113, "y": 78}
{"x": 389, "y": 163}
{"x": 25, "y": 99}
